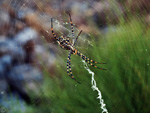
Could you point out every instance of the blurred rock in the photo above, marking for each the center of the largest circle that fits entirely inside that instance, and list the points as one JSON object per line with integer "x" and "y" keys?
{"x": 19, "y": 26}
{"x": 26, "y": 39}
{"x": 9, "y": 47}
{"x": 11, "y": 104}
{"x": 24, "y": 79}
{"x": 141, "y": 7}
{"x": 24, "y": 11}
{"x": 3, "y": 87}
{"x": 40, "y": 25}
{"x": 5, "y": 64}
{"x": 4, "y": 17}
{"x": 2, "y": 38}
{"x": 25, "y": 73}
{"x": 4, "y": 21}
{"x": 147, "y": 19}
{"x": 106, "y": 12}
{"x": 47, "y": 58}
{"x": 25, "y": 35}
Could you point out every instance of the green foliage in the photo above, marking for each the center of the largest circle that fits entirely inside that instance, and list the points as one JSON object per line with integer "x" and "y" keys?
{"x": 124, "y": 86}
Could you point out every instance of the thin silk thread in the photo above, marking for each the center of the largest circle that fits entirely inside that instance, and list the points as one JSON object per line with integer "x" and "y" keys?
{"x": 94, "y": 87}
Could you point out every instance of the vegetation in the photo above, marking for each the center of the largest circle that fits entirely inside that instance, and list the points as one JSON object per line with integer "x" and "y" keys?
{"x": 124, "y": 86}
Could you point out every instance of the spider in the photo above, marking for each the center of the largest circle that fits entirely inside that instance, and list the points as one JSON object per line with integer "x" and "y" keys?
{"x": 65, "y": 43}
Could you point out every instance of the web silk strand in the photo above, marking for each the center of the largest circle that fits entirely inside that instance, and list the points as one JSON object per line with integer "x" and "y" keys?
{"x": 94, "y": 87}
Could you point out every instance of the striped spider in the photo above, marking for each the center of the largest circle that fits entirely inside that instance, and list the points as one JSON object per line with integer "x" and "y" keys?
{"x": 65, "y": 43}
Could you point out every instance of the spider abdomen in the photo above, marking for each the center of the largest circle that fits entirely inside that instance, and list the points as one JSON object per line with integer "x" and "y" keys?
{"x": 65, "y": 43}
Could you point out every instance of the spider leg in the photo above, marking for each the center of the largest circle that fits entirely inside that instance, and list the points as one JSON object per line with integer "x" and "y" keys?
{"x": 71, "y": 25}
{"x": 60, "y": 45}
{"x": 69, "y": 68}
{"x": 95, "y": 66}
{"x": 77, "y": 38}
{"x": 54, "y": 35}
{"x": 73, "y": 30}
{"x": 92, "y": 61}
{"x": 89, "y": 61}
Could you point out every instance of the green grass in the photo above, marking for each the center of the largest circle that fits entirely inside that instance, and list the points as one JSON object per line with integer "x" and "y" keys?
{"x": 125, "y": 86}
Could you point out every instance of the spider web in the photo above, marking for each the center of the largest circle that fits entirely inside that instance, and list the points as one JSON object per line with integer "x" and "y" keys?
{"x": 94, "y": 87}
{"x": 62, "y": 26}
